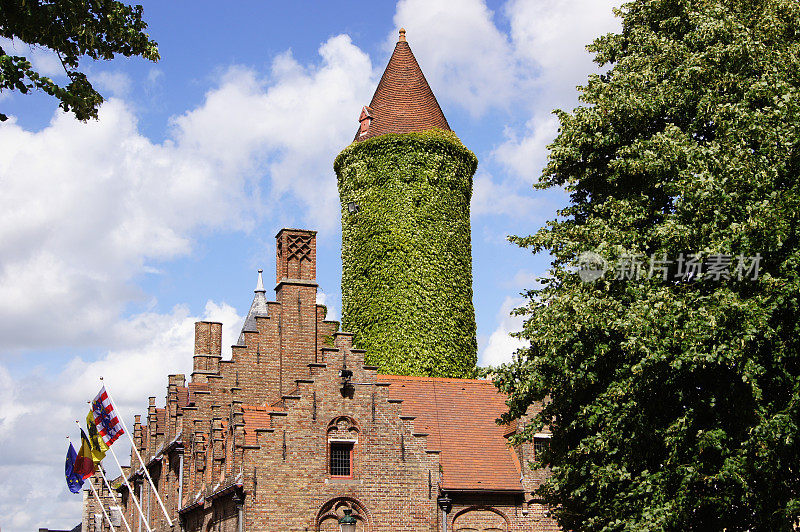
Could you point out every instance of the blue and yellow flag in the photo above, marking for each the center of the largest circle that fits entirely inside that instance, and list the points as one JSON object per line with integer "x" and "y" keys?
{"x": 74, "y": 480}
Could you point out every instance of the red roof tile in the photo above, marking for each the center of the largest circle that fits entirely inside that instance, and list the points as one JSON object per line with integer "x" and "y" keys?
{"x": 403, "y": 101}
{"x": 255, "y": 417}
{"x": 459, "y": 416}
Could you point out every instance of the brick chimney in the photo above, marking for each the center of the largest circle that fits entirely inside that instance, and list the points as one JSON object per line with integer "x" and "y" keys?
{"x": 296, "y": 292}
{"x": 207, "y": 349}
{"x": 297, "y": 255}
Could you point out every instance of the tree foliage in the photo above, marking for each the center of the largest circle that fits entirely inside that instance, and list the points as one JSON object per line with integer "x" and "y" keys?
{"x": 674, "y": 404}
{"x": 99, "y": 29}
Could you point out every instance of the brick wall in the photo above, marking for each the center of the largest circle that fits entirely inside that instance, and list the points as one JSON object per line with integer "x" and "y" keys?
{"x": 252, "y": 435}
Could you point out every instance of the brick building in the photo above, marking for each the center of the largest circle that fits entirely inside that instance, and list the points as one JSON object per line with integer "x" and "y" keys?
{"x": 295, "y": 430}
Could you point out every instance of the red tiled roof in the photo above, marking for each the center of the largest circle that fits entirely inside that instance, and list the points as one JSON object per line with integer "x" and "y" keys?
{"x": 403, "y": 101}
{"x": 459, "y": 416}
{"x": 255, "y": 417}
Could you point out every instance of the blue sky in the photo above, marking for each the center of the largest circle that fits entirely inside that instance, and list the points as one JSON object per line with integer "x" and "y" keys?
{"x": 116, "y": 235}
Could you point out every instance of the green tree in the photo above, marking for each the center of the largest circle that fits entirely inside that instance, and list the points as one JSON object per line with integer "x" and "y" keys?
{"x": 99, "y": 29}
{"x": 674, "y": 404}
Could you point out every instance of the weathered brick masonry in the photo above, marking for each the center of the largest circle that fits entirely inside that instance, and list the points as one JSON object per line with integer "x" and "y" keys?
{"x": 246, "y": 443}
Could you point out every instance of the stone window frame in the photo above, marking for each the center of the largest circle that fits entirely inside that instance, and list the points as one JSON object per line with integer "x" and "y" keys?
{"x": 334, "y": 437}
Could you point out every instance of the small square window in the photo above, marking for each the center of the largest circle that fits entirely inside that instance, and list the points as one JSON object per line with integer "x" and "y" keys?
{"x": 341, "y": 459}
{"x": 539, "y": 445}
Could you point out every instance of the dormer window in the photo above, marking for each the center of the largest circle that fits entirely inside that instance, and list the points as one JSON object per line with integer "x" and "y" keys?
{"x": 365, "y": 120}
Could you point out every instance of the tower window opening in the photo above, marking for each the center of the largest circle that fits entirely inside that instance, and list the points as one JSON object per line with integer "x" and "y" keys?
{"x": 540, "y": 444}
{"x": 341, "y": 459}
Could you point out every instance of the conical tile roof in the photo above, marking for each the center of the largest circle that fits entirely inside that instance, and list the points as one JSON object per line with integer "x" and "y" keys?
{"x": 403, "y": 101}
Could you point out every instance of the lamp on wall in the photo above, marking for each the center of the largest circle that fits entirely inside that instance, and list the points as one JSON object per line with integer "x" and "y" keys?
{"x": 446, "y": 504}
{"x": 347, "y": 523}
{"x": 347, "y": 388}
{"x": 353, "y": 207}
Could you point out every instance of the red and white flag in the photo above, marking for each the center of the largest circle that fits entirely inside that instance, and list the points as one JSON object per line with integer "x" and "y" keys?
{"x": 105, "y": 418}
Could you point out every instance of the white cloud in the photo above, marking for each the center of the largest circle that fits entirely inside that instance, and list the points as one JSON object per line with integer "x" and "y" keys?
{"x": 43, "y": 60}
{"x": 38, "y": 410}
{"x": 111, "y": 83}
{"x": 553, "y": 34}
{"x": 549, "y": 38}
{"x": 501, "y": 345}
{"x": 524, "y": 279}
{"x": 525, "y": 156}
{"x": 465, "y": 58}
{"x": 492, "y": 198}
{"x": 324, "y": 298}
{"x": 86, "y": 207}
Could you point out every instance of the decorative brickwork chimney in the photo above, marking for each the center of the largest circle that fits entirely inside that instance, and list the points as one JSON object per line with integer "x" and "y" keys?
{"x": 297, "y": 255}
{"x": 296, "y": 292}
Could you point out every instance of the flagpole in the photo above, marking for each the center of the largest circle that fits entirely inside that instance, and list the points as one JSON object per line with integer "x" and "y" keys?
{"x": 114, "y": 496}
{"x": 130, "y": 489}
{"x": 96, "y": 496}
{"x": 122, "y": 472}
{"x": 133, "y": 445}
{"x": 105, "y": 480}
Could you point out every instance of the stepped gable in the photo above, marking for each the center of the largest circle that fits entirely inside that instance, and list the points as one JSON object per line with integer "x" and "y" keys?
{"x": 459, "y": 416}
{"x": 296, "y": 427}
{"x": 403, "y": 101}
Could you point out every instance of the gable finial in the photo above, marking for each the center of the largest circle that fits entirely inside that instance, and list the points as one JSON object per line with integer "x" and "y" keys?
{"x": 260, "y": 284}
{"x": 402, "y": 35}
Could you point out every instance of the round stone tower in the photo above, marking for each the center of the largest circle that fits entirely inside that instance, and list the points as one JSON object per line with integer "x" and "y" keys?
{"x": 405, "y": 185}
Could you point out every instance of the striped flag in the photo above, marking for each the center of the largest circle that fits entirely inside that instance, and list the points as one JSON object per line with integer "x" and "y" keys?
{"x": 105, "y": 418}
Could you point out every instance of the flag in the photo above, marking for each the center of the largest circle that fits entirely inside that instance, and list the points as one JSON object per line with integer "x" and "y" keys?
{"x": 74, "y": 480}
{"x": 84, "y": 465}
{"x": 105, "y": 418}
{"x": 99, "y": 447}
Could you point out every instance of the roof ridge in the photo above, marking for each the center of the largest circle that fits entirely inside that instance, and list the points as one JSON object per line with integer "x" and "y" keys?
{"x": 426, "y": 378}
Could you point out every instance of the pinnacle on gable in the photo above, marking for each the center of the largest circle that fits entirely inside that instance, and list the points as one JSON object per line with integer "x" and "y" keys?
{"x": 260, "y": 283}
{"x": 257, "y": 309}
{"x": 403, "y": 101}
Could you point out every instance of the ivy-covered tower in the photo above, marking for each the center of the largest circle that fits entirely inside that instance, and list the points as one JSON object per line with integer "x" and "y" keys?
{"x": 405, "y": 185}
